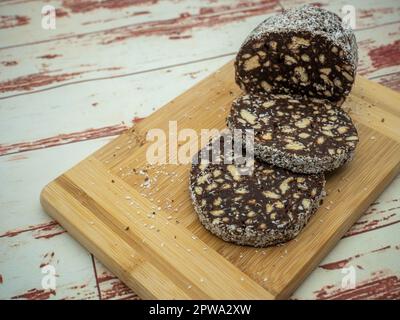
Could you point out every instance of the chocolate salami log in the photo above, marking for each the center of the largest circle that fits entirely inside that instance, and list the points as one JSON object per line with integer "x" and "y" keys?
{"x": 305, "y": 135}
{"x": 303, "y": 51}
{"x": 265, "y": 207}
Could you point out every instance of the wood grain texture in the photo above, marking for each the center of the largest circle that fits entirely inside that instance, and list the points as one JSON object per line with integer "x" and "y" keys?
{"x": 102, "y": 203}
{"x": 103, "y": 95}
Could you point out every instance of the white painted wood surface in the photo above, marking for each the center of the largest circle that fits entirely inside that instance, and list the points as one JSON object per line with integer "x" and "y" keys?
{"x": 66, "y": 92}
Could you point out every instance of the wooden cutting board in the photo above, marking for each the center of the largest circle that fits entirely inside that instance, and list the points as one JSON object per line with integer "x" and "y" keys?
{"x": 138, "y": 219}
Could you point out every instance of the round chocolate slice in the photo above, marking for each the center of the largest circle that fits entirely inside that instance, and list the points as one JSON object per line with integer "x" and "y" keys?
{"x": 306, "y": 51}
{"x": 260, "y": 207}
{"x": 300, "y": 134}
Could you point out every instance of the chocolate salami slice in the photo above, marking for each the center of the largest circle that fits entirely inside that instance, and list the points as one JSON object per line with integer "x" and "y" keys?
{"x": 264, "y": 207}
{"x": 304, "y": 51}
{"x": 297, "y": 133}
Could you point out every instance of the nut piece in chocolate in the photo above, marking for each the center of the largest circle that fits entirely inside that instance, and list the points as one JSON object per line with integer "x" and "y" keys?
{"x": 264, "y": 208}
{"x": 305, "y": 51}
{"x": 305, "y": 135}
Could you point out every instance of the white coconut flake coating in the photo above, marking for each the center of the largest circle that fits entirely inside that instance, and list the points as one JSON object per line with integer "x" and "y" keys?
{"x": 304, "y": 135}
{"x": 315, "y": 20}
{"x": 305, "y": 50}
{"x": 266, "y": 207}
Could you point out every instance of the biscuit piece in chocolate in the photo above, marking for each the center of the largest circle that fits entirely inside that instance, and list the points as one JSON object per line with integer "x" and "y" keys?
{"x": 300, "y": 134}
{"x": 304, "y": 51}
{"x": 266, "y": 207}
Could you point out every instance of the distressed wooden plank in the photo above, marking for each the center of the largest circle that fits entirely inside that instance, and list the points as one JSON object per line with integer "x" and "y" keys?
{"x": 379, "y": 52}
{"x": 112, "y": 288}
{"x": 369, "y": 13}
{"x": 384, "y": 13}
{"x": 71, "y": 67}
{"x": 63, "y": 68}
{"x": 22, "y": 260}
{"x": 100, "y": 112}
{"x": 80, "y": 17}
{"x": 383, "y": 213}
{"x": 391, "y": 80}
{"x": 374, "y": 258}
{"x": 89, "y": 16}
{"x": 28, "y": 238}
{"x": 20, "y": 198}
{"x": 75, "y": 63}
{"x": 382, "y": 285}
{"x": 168, "y": 82}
